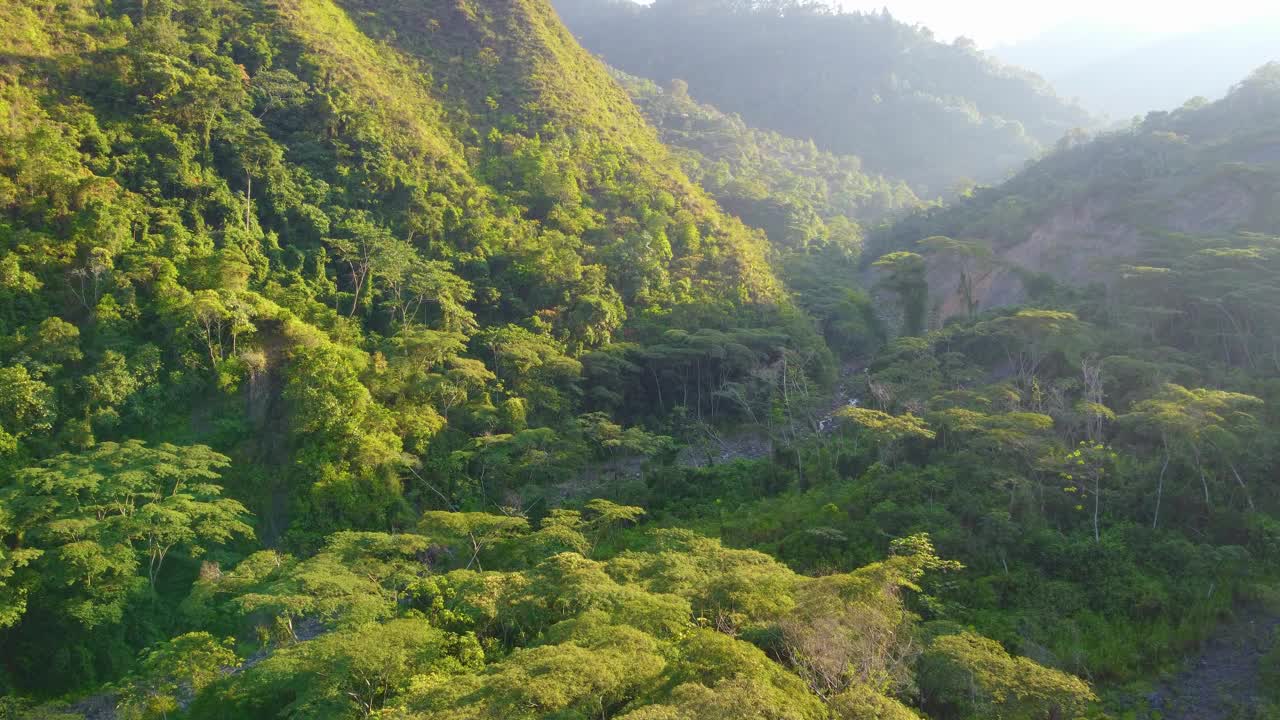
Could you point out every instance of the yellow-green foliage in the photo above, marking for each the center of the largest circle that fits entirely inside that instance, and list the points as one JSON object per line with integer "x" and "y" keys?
{"x": 507, "y": 64}
{"x": 378, "y": 79}
{"x": 1010, "y": 687}
{"x": 658, "y": 631}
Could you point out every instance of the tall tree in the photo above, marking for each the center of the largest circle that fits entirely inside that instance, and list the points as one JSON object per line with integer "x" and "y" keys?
{"x": 1212, "y": 426}
{"x": 904, "y": 276}
{"x": 97, "y": 517}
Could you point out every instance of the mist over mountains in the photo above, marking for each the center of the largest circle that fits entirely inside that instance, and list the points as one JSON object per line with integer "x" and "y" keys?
{"x": 930, "y": 113}
{"x": 1126, "y": 72}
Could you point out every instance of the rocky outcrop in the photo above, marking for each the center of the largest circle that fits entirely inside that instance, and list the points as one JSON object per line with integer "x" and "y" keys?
{"x": 1085, "y": 240}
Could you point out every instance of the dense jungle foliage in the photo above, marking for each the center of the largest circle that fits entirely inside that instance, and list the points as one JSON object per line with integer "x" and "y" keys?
{"x": 396, "y": 359}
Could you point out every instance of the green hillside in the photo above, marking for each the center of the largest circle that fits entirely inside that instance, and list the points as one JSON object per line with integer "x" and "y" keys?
{"x": 218, "y": 192}
{"x": 799, "y": 195}
{"x": 814, "y": 206}
{"x": 364, "y": 271}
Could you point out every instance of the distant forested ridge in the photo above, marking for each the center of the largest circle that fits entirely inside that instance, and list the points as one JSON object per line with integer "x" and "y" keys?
{"x": 800, "y": 195}
{"x": 930, "y": 113}
{"x": 1097, "y": 206}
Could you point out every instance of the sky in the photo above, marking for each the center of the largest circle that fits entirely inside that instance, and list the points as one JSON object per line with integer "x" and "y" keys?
{"x": 992, "y": 23}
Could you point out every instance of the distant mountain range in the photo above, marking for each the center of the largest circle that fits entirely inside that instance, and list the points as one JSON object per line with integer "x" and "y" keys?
{"x": 934, "y": 114}
{"x": 1123, "y": 73}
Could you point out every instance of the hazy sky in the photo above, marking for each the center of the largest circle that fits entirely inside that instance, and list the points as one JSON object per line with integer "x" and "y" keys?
{"x": 997, "y": 22}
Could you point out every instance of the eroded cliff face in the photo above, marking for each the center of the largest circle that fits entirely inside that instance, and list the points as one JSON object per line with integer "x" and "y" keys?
{"x": 1092, "y": 205}
{"x": 1067, "y": 245}
{"x": 1085, "y": 240}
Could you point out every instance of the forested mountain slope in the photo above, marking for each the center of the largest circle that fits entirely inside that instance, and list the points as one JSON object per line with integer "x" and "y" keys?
{"x": 368, "y": 271}
{"x": 799, "y": 195}
{"x": 815, "y": 206}
{"x": 1080, "y": 404}
{"x": 1093, "y": 208}
{"x": 206, "y": 195}
{"x": 866, "y": 85}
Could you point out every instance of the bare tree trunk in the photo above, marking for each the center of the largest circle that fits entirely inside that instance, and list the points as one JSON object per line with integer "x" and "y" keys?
{"x": 475, "y": 552}
{"x": 1204, "y": 482}
{"x": 359, "y": 277}
{"x": 1097, "y": 503}
{"x": 1155, "y": 518}
{"x": 1091, "y": 370}
{"x": 657, "y": 383}
{"x": 1248, "y": 498}
{"x": 1240, "y": 333}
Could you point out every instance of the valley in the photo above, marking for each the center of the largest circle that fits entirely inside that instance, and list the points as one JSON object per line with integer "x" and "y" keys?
{"x": 718, "y": 359}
